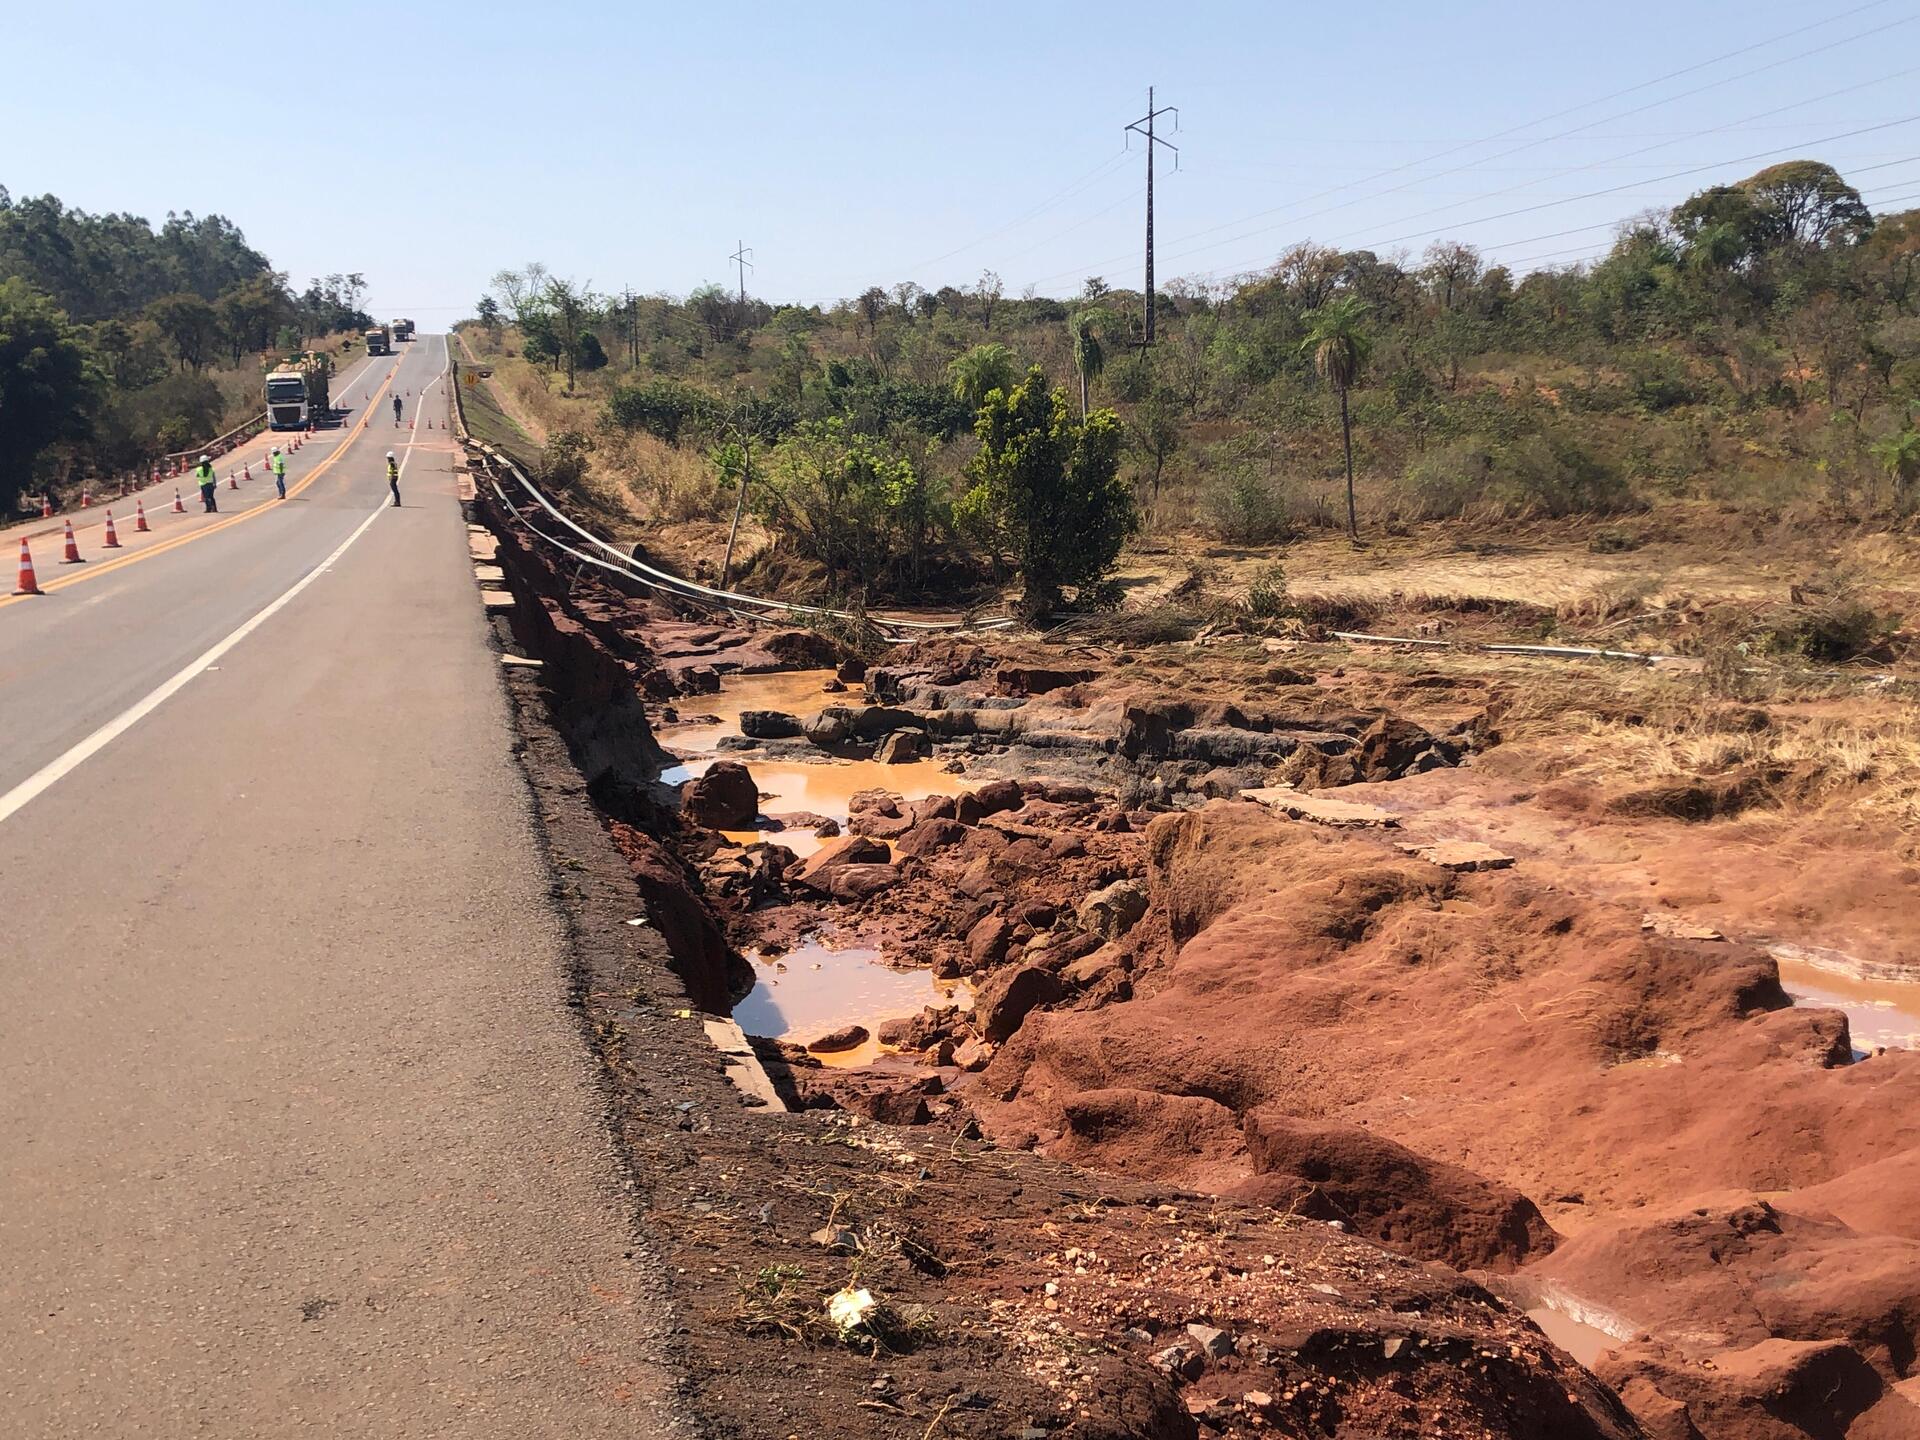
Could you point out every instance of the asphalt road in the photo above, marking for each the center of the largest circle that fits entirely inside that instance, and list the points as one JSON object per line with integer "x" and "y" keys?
{"x": 297, "y": 1135}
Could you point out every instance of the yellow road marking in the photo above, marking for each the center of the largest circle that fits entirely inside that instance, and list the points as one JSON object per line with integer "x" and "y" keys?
{"x": 105, "y": 567}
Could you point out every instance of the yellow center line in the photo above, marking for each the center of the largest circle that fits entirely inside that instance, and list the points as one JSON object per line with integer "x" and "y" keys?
{"x": 108, "y": 566}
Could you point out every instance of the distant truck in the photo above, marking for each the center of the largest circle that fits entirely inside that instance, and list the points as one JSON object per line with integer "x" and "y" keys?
{"x": 379, "y": 341}
{"x": 403, "y": 329}
{"x": 298, "y": 393}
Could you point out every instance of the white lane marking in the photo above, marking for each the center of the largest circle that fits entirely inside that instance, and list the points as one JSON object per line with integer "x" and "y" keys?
{"x": 65, "y": 764}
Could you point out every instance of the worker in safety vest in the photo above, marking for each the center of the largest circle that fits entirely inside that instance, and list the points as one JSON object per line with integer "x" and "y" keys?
{"x": 277, "y": 463}
{"x": 393, "y": 477}
{"x": 204, "y": 477}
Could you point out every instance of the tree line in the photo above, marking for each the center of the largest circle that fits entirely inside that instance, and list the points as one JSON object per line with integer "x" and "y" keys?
{"x": 1757, "y": 344}
{"x": 120, "y": 340}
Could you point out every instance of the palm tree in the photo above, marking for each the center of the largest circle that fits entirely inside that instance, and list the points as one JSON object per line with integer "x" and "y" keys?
{"x": 1899, "y": 455}
{"x": 980, "y": 371}
{"x": 1340, "y": 347}
{"x": 1089, "y": 357}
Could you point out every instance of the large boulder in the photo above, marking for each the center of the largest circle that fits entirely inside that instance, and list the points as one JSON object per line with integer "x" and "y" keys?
{"x": 857, "y": 882}
{"x": 831, "y": 728}
{"x": 931, "y": 835}
{"x": 990, "y": 799}
{"x": 987, "y": 941}
{"x": 902, "y": 747}
{"x": 1008, "y": 999}
{"x": 816, "y": 872}
{"x": 769, "y": 724}
{"x": 1113, "y": 910}
{"x": 878, "y": 720}
{"x": 724, "y": 798}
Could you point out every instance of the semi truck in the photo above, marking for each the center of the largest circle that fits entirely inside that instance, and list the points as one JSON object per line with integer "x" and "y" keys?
{"x": 298, "y": 392}
{"x": 403, "y": 329}
{"x": 379, "y": 341}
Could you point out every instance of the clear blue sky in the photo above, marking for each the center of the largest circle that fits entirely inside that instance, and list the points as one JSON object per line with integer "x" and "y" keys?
{"x": 428, "y": 144}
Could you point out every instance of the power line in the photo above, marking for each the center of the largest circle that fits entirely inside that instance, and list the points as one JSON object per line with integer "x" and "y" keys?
{"x": 743, "y": 257}
{"x": 1516, "y": 129}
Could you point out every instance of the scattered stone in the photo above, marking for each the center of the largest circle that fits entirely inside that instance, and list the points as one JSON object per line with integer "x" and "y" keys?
{"x": 1114, "y": 909}
{"x": 1181, "y": 1361}
{"x": 902, "y": 746}
{"x": 817, "y": 871}
{"x": 1459, "y": 855}
{"x": 847, "y": 1037}
{"x": 724, "y": 798}
{"x": 832, "y": 727}
{"x": 836, "y": 1238}
{"x": 1008, "y": 999}
{"x": 826, "y": 829}
{"x": 972, "y": 1054}
{"x": 988, "y": 940}
{"x": 1216, "y": 1344}
{"x": 851, "y": 671}
{"x": 833, "y": 687}
{"x": 857, "y": 882}
{"x": 990, "y": 799}
{"x": 1678, "y": 929}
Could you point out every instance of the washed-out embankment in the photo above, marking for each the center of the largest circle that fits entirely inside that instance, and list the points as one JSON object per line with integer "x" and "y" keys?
{"x": 1635, "y": 1129}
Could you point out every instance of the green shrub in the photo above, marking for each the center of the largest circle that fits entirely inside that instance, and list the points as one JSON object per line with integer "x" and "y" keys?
{"x": 1267, "y": 596}
{"x": 1245, "y": 508}
{"x": 564, "y": 460}
{"x": 1442, "y": 483}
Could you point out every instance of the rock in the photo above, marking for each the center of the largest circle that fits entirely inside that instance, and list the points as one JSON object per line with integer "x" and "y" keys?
{"x": 1007, "y": 1000}
{"x": 1114, "y": 909}
{"x": 712, "y": 971}
{"x": 1459, "y": 856}
{"x": 972, "y": 1054}
{"x": 830, "y": 728}
{"x": 833, "y": 687}
{"x": 826, "y": 829}
{"x": 800, "y": 820}
{"x": 1089, "y": 970}
{"x": 878, "y": 720}
{"x": 933, "y": 807}
{"x": 847, "y": 1037}
{"x": 988, "y": 940}
{"x": 817, "y": 871}
{"x": 769, "y": 724}
{"x": 901, "y": 747}
{"x": 1215, "y": 1344}
{"x": 851, "y": 671}
{"x": 931, "y": 835}
{"x": 888, "y": 1107}
{"x": 724, "y": 798}
{"x": 1035, "y": 680}
{"x": 857, "y": 882}
{"x": 1322, "y": 809}
{"x": 700, "y": 680}
{"x": 1180, "y": 1360}
{"x": 837, "y": 1238}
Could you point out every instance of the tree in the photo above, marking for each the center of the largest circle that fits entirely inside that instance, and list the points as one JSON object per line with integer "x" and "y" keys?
{"x": 1899, "y": 456}
{"x": 1807, "y": 203}
{"x": 1089, "y": 359}
{"x": 1154, "y": 434}
{"x": 523, "y": 290}
{"x": 48, "y": 383}
{"x": 980, "y": 371}
{"x": 190, "y": 325}
{"x": 1047, "y": 487}
{"x": 572, "y": 308}
{"x": 838, "y": 498}
{"x": 872, "y": 304}
{"x": 487, "y": 312}
{"x": 986, "y": 295}
{"x": 1339, "y": 344}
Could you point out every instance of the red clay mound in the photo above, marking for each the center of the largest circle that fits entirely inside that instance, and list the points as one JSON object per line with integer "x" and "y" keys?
{"x": 1386, "y": 1192}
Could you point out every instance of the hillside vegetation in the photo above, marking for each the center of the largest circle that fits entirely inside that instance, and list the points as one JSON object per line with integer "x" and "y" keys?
{"x": 120, "y": 341}
{"x": 1756, "y": 349}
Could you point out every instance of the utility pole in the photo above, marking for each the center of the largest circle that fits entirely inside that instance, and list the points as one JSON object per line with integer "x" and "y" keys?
{"x": 633, "y": 332}
{"x": 739, "y": 500}
{"x": 743, "y": 257}
{"x": 1147, "y": 120}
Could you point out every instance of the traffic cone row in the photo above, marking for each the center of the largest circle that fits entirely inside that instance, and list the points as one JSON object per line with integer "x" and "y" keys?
{"x": 112, "y": 542}
{"x": 27, "y": 584}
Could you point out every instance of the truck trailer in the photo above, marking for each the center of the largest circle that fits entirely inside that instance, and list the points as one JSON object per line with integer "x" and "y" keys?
{"x": 379, "y": 341}
{"x": 402, "y": 329}
{"x": 298, "y": 392}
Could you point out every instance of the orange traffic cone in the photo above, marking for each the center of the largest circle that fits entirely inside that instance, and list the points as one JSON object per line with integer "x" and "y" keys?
{"x": 140, "y": 517}
{"x": 246, "y": 472}
{"x": 233, "y": 481}
{"x": 86, "y": 497}
{"x": 46, "y": 506}
{"x": 72, "y": 557}
{"x": 112, "y": 542}
{"x": 27, "y": 584}
{"x": 409, "y": 424}
{"x": 178, "y": 508}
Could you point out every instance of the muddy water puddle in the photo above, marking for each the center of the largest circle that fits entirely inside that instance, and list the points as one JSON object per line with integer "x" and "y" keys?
{"x": 1880, "y": 1011}
{"x": 1585, "y": 1343}
{"x": 811, "y": 990}
{"x": 823, "y": 787}
{"x": 814, "y": 988}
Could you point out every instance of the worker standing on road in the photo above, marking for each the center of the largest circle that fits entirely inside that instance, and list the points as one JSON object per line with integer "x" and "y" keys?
{"x": 396, "y": 412}
{"x": 204, "y": 476}
{"x": 278, "y": 464}
{"x": 393, "y": 477}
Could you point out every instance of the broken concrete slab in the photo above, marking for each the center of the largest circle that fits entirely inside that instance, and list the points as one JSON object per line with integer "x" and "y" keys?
{"x": 1321, "y": 809}
{"x": 742, "y": 1066}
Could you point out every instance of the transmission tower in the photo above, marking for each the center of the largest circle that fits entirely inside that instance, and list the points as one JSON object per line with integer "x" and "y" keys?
{"x": 743, "y": 257}
{"x": 1144, "y": 126}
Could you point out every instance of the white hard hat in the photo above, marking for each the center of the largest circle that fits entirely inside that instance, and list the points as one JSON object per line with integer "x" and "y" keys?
{"x": 205, "y": 458}
{"x": 276, "y": 449}
{"x": 389, "y": 454}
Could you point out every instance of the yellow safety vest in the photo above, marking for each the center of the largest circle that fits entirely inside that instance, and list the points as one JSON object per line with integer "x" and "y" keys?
{"x": 279, "y": 464}
{"x": 203, "y": 474}
{"x": 393, "y": 471}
